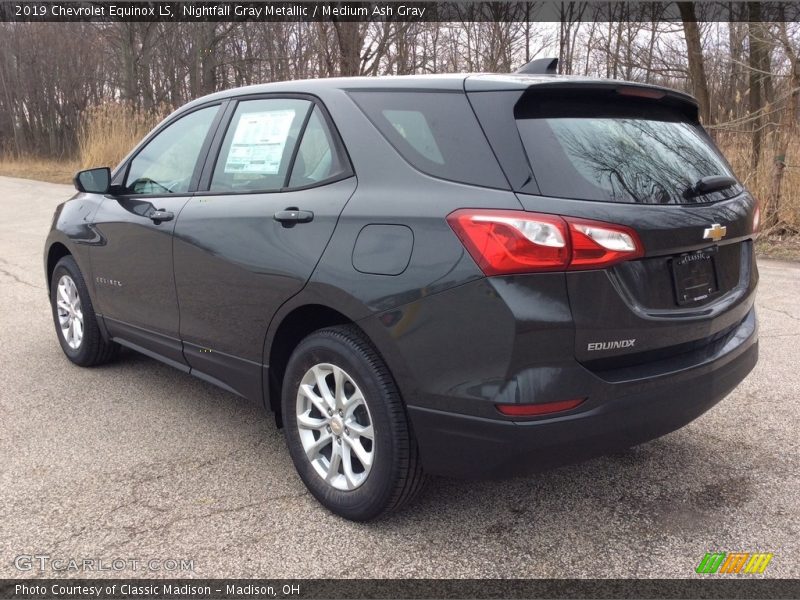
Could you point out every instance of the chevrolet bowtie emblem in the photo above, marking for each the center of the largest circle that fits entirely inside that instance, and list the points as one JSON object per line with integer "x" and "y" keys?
{"x": 716, "y": 232}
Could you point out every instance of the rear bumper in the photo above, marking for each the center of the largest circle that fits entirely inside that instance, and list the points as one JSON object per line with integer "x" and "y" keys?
{"x": 617, "y": 416}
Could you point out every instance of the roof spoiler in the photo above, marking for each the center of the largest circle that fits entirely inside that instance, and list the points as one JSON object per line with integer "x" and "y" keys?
{"x": 539, "y": 66}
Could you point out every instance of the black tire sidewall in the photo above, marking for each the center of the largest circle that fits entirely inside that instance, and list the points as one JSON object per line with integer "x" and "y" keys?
{"x": 372, "y": 497}
{"x": 81, "y": 355}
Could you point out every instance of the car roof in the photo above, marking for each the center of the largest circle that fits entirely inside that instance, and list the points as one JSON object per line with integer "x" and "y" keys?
{"x": 446, "y": 82}
{"x": 453, "y": 81}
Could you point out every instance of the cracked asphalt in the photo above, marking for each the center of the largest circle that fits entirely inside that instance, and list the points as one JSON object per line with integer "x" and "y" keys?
{"x": 137, "y": 461}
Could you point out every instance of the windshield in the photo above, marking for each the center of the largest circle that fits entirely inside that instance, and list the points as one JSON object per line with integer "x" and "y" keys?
{"x": 636, "y": 154}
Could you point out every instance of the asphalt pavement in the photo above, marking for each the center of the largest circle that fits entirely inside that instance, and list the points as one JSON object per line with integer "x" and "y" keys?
{"x": 137, "y": 461}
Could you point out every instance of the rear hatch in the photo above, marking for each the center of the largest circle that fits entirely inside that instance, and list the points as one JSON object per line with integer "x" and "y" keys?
{"x": 633, "y": 156}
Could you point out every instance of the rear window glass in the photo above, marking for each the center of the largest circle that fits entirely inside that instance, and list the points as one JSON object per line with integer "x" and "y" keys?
{"x": 436, "y": 132}
{"x": 638, "y": 152}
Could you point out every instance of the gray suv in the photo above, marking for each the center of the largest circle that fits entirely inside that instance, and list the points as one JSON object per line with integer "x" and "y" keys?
{"x": 469, "y": 276}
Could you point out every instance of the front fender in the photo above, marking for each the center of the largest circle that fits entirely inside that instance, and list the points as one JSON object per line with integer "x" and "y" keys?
{"x": 73, "y": 229}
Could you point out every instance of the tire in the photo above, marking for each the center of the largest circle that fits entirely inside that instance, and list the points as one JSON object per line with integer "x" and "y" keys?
{"x": 70, "y": 302}
{"x": 391, "y": 473}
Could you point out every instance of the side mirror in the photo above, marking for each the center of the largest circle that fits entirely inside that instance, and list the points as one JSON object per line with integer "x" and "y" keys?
{"x": 93, "y": 181}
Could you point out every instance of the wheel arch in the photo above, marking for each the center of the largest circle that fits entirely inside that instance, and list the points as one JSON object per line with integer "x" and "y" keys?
{"x": 57, "y": 247}
{"x": 293, "y": 323}
{"x": 55, "y": 253}
{"x": 292, "y": 327}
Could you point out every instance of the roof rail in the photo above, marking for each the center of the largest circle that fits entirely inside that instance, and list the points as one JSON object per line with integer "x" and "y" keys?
{"x": 539, "y": 66}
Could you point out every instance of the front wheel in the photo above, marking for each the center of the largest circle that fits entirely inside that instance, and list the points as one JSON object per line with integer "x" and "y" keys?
{"x": 76, "y": 325}
{"x": 346, "y": 427}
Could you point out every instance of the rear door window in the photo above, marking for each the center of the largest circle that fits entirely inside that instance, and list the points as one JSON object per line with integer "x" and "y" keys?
{"x": 636, "y": 152}
{"x": 436, "y": 132}
{"x": 259, "y": 144}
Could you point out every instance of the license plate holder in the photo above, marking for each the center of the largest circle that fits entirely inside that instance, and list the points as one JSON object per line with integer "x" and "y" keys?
{"x": 695, "y": 275}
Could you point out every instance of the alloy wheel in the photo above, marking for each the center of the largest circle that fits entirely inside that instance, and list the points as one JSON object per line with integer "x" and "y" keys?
{"x": 70, "y": 312}
{"x": 335, "y": 426}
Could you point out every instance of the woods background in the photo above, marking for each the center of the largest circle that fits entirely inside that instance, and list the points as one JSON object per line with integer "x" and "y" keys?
{"x": 81, "y": 94}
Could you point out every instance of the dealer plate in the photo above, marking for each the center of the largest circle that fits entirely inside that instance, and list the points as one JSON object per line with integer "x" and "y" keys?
{"x": 695, "y": 275}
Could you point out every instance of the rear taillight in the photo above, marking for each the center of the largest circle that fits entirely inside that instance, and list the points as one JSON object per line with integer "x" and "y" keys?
{"x": 597, "y": 245}
{"x": 510, "y": 241}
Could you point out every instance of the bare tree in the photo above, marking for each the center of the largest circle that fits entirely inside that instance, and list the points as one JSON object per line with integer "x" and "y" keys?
{"x": 786, "y": 131}
{"x": 695, "y": 57}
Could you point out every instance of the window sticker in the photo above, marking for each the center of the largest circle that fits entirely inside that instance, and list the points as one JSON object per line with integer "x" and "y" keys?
{"x": 259, "y": 141}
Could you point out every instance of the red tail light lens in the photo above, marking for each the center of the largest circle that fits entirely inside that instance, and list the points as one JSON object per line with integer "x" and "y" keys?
{"x": 638, "y": 92}
{"x": 597, "y": 245}
{"x": 535, "y": 410}
{"x": 511, "y": 241}
{"x": 503, "y": 242}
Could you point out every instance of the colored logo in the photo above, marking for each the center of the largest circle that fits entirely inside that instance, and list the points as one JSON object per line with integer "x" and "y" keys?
{"x": 716, "y": 232}
{"x": 733, "y": 562}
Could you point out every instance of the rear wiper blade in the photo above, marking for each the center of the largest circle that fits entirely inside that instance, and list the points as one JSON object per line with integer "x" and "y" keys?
{"x": 706, "y": 185}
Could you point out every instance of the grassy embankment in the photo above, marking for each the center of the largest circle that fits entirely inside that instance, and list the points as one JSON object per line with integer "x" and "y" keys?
{"x": 106, "y": 136}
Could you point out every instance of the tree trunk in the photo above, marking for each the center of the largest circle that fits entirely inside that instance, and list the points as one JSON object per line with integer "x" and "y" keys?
{"x": 128, "y": 50}
{"x": 350, "y": 42}
{"x": 735, "y": 76}
{"x": 756, "y": 102}
{"x": 788, "y": 127}
{"x": 772, "y": 207}
{"x": 697, "y": 70}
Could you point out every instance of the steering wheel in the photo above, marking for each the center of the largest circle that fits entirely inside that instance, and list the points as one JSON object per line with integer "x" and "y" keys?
{"x": 146, "y": 181}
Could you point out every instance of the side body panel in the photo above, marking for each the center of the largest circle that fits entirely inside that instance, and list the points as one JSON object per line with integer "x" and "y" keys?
{"x": 234, "y": 267}
{"x": 135, "y": 286}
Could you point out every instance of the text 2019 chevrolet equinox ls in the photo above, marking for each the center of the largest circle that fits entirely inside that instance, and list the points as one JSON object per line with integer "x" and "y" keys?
{"x": 462, "y": 275}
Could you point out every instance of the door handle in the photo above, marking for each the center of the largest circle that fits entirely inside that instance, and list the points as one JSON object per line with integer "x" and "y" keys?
{"x": 159, "y": 216}
{"x": 293, "y": 215}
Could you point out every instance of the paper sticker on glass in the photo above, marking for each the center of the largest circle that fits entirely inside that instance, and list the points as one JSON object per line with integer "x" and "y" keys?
{"x": 259, "y": 141}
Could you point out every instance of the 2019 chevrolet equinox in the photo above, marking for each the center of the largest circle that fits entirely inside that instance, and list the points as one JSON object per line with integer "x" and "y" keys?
{"x": 464, "y": 275}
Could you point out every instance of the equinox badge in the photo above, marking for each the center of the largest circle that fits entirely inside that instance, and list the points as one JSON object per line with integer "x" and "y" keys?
{"x": 716, "y": 232}
{"x": 611, "y": 345}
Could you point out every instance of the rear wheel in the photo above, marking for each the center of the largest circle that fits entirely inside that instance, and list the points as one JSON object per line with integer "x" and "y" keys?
{"x": 74, "y": 318}
{"x": 346, "y": 427}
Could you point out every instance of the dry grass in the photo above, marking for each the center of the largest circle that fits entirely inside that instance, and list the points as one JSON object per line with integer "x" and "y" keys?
{"x": 779, "y": 247}
{"x": 110, "y": 131}
{"x": 107, "y": 134}
{"x": 54, "y": 171}
{"x": 736, "y": 148}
